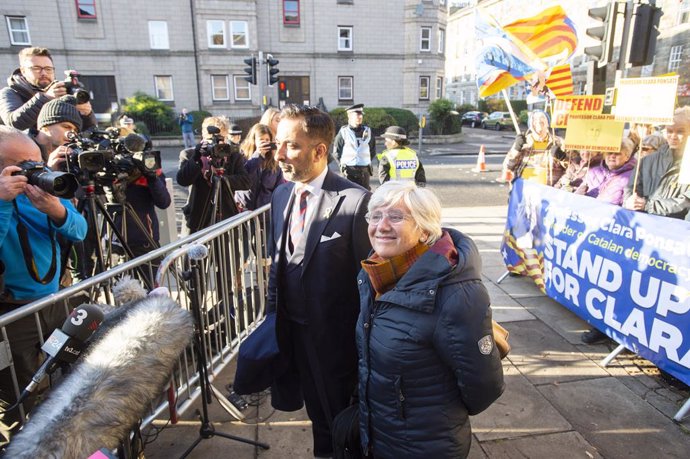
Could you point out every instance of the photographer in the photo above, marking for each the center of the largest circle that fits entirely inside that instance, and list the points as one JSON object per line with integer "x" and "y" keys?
{"x": 186, "y": 122}
{"x": 200, "y": 164}
{"x": 30, "y": 87}
{"x": 30, "y": 254}
{"x": 56, "y": 119}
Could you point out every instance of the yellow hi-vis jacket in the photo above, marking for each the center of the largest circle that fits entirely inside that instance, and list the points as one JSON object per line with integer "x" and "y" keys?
{"x": 403, "y": 163}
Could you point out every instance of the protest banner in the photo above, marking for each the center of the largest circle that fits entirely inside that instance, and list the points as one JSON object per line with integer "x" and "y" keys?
{"x": 593, "y": 132}
{"x": 563, "y": 106}
{"x": 646, "y": 100}
{"x": 627, "y": 273}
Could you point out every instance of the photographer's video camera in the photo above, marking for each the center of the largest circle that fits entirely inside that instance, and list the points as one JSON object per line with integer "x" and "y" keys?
{"x": 75, "y": 87}
{"x": 60, "y": 184}
{"x": 217, "y": 149}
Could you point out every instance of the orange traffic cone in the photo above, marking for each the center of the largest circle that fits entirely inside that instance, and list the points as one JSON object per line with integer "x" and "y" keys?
{"x": 481, "y": 161}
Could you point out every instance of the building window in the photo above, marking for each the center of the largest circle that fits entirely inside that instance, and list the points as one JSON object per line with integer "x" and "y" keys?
{"x": 675, "y": 57}
{"x": 164, "y": 87}
{"x": 219, "y": 86}
{"x": 242, "y": 89}
{"x": 439, "y": 87}
{"x": 345, "y": 88}
{"x": 86, "y": 9}
{"x": 424, "y": 87}
{"x": 158, "y": 34}
{"x": 441, "y": 41}
{"x": 239, "y": 34}
{"x": 344, "y": 38}
{"x": 684, "y": 12}
{"x": 425, "y": 39}
{"x": 216, "y": 34}
{"x": 291, "y": 12}
{"x": 19, "y": 30}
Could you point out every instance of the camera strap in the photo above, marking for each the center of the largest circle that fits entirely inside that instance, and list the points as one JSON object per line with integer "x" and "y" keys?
{"x": 28, "y": 254}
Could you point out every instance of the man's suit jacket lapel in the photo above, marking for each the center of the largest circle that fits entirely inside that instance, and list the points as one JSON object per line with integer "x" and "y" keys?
{"x": 327, "y": 206}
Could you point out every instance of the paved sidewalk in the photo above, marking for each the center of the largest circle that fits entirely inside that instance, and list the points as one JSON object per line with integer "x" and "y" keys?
{"x": 559, "y": 402}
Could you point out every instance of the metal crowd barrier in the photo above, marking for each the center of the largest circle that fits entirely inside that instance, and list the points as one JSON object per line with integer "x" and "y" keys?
{"x": 234, "y": 283}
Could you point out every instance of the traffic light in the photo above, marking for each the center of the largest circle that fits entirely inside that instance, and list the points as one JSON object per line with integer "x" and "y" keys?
{"x": 605, "y": 33}
{"x": 251, "y": 70}
{"x": 272, "y": 70}
{"x": 282, "y": 91}
{"x": 644, "y": 34}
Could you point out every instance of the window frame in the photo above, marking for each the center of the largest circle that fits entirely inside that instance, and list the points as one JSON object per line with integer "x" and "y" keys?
{"x": 441, "y": 40}
{"x": 86, "y": 3}
{"x": 675, "y": 58}
{"x": 350, "y": 38}
{"x": 157, "y": 89}
{"x": 351, "y": 88}
{"x": 232, "y": 35}
{"x": 11, "y": 30}
{"x": 428, "y": 86}
{"x": 210, "y": 36}
{"x": 214, "y": 87}
{"x": 167, "y": 35}
{"x": 439, "y": 87}
{"x": 422, "y": 29}
{"x": 683, "y": 12}
{"x": 241, "y": 79}
{"x": 297, "y": 20}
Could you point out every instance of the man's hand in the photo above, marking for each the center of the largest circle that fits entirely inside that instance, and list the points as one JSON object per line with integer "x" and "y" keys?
{"x": 57, "y": 157}
{"x": 56, "y": 89}
{"x": 85, "y": 108}
{"x": 46, "y": 203}
{"x": 11, "y": 185}
{"x": 635, "y": 202}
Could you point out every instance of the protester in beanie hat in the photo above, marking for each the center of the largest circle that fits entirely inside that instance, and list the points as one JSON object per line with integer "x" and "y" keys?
{"x": 60, "y": 110}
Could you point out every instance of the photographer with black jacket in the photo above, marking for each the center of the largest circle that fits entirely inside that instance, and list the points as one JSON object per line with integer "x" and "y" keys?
{"x": 198, "y": 166}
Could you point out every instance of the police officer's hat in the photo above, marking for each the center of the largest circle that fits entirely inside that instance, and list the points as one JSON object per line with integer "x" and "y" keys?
{"x": 358, "y": 108}
{"x": 235, "y": 129}
{"x": 396, "y": 133}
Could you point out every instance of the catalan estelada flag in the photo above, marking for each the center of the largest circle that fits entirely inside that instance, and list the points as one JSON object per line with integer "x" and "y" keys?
{"x": 518, "y": 50}
{"x": 560, "y": 82}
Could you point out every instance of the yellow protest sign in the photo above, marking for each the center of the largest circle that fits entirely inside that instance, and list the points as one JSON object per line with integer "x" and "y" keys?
{"x": 563, "y": 106}
{"x": 646, "y": 100}
{"x": 593, "y": 132}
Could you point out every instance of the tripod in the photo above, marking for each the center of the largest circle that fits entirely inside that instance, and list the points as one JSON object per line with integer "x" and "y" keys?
{"x": 213, "y": 209}
{"x": 206, "y": 430}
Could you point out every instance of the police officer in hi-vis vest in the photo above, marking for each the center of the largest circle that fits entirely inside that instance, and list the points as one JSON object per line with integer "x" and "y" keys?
{"x": 355, "y": 147}
{"x": 399, "y": 162}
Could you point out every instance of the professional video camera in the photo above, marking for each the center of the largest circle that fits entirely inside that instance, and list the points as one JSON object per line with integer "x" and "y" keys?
{"x": 75, "y": 87}
{"x": 60, "y": 184}
{"x": 106, "y": 158}
{"x": 216, "y": 149}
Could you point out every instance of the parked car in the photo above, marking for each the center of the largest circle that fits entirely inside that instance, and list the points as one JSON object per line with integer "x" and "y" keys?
{"x": 474, "y": 119}
{"x": 497, "y": 121}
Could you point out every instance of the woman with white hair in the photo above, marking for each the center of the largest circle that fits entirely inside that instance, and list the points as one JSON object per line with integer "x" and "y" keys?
{"x": 427, "y": 358}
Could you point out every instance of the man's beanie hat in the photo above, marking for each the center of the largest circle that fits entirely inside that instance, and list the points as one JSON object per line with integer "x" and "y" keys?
{"x": 59, "y": 111}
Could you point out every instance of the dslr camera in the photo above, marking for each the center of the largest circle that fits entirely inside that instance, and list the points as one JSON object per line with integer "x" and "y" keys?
{"x": 217, "y": 150}
{"x": 75, "y": 87}
{"x": 60, "y": 184}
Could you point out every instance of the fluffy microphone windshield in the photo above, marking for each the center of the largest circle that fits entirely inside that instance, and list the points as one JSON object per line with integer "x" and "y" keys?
{"x": 112, "y": 386}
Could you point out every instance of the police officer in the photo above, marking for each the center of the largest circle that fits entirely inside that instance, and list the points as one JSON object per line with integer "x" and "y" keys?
{"x": 355, "y": 147}
{"x": 398, "y": 161}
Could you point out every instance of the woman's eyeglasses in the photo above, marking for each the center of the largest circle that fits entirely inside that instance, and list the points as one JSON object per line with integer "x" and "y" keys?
{"x": 394, "y": 217}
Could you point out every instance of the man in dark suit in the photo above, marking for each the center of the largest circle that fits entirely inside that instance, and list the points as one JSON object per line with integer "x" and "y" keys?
{"x": 318, "y": 238}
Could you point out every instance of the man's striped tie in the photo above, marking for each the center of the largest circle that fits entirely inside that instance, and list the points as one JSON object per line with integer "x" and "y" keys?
{"x": 297, "y": 224}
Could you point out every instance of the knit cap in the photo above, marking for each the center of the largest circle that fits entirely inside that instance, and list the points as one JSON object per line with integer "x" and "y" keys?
{"x": 58, "y": 111}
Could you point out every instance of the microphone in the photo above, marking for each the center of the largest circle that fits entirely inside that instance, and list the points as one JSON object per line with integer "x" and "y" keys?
{"x": 65, "y": 344}
{"x": 111, "y": 387}
{"x": 194, "y": 251}
{"x": 134, "y": 143}
{"x": 197, "y": 252}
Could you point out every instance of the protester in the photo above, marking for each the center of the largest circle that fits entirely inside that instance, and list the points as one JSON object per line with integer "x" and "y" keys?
{"x": 318, "y": 240}
{"x": 355, "y": 147}
{"x": 186, "y": 122}
{"x": 656, "y": 190}
{"x": 31, "y": 269}
{"x": 199, "y": 166}
{"x": 30, "y": 87}
{"x": 427, "y": 358}
{"x": 262, "y": 167}
{"x": 271, "y": 118}
{"x": 607, "y": 181}
{"x": 650, "y": 144}
{"x": 537, "y": 154}
{"x": 398, "y": 161}
{"x": 579, "y": 163}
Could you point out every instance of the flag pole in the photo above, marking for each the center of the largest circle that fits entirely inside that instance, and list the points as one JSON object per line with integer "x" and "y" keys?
{"x": 510, "y": 109}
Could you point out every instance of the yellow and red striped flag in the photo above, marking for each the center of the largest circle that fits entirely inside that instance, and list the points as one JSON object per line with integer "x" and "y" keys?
{"x": 560, "y": 81}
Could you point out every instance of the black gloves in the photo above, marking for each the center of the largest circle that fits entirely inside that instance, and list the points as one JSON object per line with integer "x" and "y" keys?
{"x": 520, "y": 141}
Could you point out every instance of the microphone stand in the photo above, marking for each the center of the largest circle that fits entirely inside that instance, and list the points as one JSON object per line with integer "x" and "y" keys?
{"x": 206, "y": 430}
